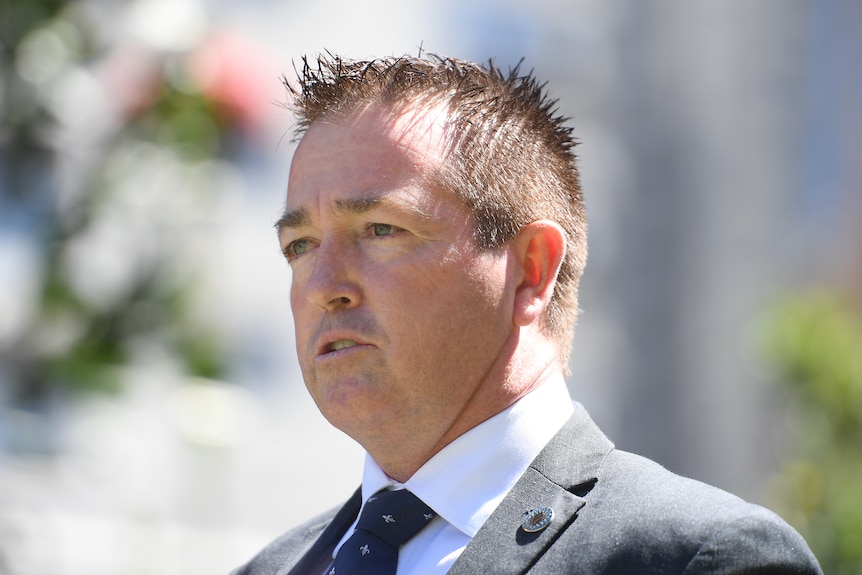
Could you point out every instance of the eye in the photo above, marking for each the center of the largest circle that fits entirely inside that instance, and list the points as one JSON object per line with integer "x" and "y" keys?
{"x": 296, "y": 248}
{"x": 383, "y": 229}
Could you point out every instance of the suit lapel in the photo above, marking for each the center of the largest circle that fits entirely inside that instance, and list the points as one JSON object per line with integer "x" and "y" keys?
{"x": 319, "y": 555}
{"x": 567, "y": 466}
{"x": 501, "y": 546}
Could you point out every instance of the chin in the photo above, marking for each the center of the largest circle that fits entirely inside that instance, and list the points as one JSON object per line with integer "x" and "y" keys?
{"x": 356, "y": 421}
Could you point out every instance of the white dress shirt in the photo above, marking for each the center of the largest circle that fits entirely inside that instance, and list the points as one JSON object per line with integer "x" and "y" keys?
{"x": 466, "y": 481}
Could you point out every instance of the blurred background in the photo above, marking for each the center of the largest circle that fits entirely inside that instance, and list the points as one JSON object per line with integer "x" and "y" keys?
{"x": 152, "y": 416}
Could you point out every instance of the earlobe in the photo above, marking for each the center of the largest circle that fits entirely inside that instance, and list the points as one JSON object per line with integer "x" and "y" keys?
{"x": 540, "y": 248}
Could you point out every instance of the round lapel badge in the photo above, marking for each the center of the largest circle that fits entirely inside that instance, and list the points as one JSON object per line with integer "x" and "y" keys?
{"x": 537, "y": 519}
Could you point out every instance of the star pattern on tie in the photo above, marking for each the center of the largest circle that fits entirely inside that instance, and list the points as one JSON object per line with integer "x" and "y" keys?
{"x": 387, "y": 521}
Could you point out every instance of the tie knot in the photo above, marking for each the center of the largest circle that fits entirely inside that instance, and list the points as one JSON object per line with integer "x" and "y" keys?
{"x": 394, "y": 516}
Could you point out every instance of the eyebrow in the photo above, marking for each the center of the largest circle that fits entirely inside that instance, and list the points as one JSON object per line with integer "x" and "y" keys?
{"x": 354, "y": 206}
{"x": 301, "y": 217}
{"x": 293, "y": 219}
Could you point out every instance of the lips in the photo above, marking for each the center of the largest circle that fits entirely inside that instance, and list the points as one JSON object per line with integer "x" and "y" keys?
{"x": 332, "y": 343}
{"x": 342, "y": 344}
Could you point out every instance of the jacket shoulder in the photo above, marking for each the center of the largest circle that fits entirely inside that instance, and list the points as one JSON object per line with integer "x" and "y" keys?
{"x": 653, "y": 515}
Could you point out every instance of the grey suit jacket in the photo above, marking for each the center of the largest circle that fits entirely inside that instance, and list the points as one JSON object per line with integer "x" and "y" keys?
{"x": 614, "y": 512}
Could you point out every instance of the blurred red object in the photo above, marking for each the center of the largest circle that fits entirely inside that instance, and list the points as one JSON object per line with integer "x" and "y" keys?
{"x": 237, "y": 77}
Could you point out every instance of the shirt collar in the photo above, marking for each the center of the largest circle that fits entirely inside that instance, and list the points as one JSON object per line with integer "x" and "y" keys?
{"x": 466, "y": 481}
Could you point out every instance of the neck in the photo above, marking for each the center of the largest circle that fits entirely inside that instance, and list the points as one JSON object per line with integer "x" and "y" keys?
{"x": 401, "y": 455}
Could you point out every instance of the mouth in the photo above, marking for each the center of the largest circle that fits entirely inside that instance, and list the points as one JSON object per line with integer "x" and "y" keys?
{"x": 330, "y": 348}
{"x": 340, "y": 344}
{"x": 332, "y": 342}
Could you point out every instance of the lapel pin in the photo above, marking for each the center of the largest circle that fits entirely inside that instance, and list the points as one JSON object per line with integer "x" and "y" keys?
{"x": 537, "y": 519}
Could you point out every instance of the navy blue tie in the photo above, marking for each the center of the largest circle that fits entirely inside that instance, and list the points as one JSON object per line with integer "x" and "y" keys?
{"x": 388, "y": 520}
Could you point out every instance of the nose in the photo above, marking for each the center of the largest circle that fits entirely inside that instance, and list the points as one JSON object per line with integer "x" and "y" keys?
{"x": 333, "y": 281}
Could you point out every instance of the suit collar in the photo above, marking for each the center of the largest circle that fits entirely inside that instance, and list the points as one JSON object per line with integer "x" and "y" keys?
{"x": 575, "y": 455}
{"x": 320, "y": 554}
{"x": 565, "y": 470}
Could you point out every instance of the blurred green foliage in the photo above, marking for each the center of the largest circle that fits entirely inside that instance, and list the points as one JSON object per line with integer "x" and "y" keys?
{"x": 816, "y": 342}
{"x": 74, "y": 344}
{"x": 186, "y": 121}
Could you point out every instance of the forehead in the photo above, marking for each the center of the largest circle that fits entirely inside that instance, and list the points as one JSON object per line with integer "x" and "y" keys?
{"x": 375, "y": 145}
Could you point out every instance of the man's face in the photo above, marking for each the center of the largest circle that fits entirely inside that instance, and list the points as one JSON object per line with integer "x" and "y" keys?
{"x": 399, "y": 317}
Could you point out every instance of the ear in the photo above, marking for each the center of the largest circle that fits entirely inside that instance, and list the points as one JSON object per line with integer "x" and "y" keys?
{"x": 539, "y": 248}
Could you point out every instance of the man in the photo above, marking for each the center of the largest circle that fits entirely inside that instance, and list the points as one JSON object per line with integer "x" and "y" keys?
{"x": 435, "y": 229}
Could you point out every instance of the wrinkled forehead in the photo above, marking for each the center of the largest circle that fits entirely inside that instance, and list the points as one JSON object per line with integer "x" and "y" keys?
{"x": 418, "y": 132}
{"x": 367, "y": 154}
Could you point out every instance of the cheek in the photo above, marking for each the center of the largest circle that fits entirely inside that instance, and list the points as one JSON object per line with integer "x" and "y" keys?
{"x": 481, "y": 282}
{"x": 296, "y": 309}
{"x": 462, "y": 269}
{"x": 298, "y": 293}
{"x": 449, "y": 299}
{"x": 302, "y": 313}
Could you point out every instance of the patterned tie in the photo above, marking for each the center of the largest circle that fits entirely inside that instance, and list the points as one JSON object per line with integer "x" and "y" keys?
{"x": 388, "y": 520}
